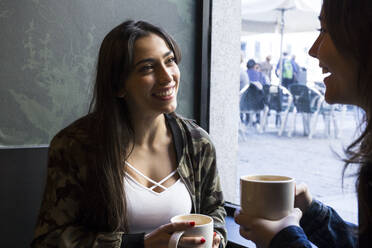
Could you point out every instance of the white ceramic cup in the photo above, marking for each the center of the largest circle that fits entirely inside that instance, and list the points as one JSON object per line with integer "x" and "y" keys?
{"x": 203, "y": 228}
{"x": 267, "y": 196}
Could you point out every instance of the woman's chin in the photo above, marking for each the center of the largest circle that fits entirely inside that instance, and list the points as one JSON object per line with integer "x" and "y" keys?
{"x": 171, "y": 108}
{"x": 333, "y": 99}
{"x": 328, "y": 99}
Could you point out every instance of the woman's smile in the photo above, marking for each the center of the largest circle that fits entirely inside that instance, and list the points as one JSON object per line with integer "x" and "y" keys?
{"x": 166, "y": 93}
{"x": 327, "y": 74}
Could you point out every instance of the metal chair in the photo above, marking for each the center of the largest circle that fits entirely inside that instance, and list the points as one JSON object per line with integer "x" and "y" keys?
{"x": 308, "y": 102}
{"x": 328, "y": 111}
{"x": 278, "y": 99}
{"x": 252, "y": 103}
{"x": 329, "y": 119}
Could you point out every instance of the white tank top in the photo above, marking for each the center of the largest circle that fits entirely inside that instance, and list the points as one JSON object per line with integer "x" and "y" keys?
{"x": 147, "y": 209}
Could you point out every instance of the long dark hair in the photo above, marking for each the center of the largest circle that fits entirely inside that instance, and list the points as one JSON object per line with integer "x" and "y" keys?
{"x": 349, "y": 24}
{"x": 114, "y": 131}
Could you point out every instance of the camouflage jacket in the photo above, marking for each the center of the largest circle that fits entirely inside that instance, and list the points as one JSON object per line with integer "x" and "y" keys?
{"x": 68, "y": 160}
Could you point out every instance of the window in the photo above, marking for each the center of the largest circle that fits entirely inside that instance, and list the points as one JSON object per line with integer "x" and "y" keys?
{"x": 251, "y": 149}
{"x": 289, "y": 134}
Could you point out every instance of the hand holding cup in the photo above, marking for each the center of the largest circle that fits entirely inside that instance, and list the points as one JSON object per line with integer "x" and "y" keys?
{"x": 267, "y": 206}
{"x": 262, "y": 231}
{"x": 201, "y": 234}
{"x": 159, "y": 238}
{"x": 303, "y": 198}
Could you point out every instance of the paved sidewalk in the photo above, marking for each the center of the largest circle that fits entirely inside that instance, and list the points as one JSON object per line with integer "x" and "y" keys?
{"x": 312, "y": 161}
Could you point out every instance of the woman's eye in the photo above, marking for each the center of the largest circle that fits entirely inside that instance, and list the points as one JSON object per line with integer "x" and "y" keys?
{"x": 322, "y": 30}
{"x": 171, "y": 60}
{"x": 146, "y": 68}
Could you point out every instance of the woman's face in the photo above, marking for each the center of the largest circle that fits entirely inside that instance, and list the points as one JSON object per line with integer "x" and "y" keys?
{"x": 341, "y": 83}
{"x": 151, "y": 88}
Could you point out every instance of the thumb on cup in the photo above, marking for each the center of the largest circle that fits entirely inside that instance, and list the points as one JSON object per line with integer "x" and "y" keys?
{"x": 174, "y": 239}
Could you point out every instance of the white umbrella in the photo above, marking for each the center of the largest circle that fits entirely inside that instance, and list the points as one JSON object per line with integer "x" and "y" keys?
{"x": 264, "y": 16}
{"x": 269, "y": 16}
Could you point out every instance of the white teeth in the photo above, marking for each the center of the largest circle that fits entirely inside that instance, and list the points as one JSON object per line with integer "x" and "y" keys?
{"x": 165, "y": 93}
{"x": 326, "y": 74}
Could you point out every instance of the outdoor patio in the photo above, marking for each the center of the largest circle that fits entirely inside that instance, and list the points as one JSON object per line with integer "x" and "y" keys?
{"x": 313, "y": 161}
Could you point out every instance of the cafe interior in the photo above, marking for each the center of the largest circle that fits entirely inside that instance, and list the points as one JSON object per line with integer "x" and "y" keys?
{"x": 49, "y": 50}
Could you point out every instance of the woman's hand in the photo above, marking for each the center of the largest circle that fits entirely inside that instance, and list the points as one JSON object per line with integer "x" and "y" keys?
{"x": 303, "y": 197}
{"x": 216, "y": 240}
{"x": 262, "y": 231}
{"x": 159, "y": 238}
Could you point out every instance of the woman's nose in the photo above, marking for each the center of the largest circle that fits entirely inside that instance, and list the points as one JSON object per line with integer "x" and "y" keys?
{"x": 313, "y": 52}
{"x": 164, "y": 75}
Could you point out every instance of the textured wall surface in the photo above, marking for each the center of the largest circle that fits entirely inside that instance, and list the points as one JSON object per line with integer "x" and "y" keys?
{"x": 48, "y": 56}
{"x": 224, "y": 108}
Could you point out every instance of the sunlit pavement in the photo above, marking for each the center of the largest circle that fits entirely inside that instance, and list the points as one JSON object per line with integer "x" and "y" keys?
{"x": 312, "y": 161}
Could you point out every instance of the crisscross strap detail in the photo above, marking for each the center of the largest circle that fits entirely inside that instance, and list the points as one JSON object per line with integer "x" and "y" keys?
{"x": 156, "y": 184}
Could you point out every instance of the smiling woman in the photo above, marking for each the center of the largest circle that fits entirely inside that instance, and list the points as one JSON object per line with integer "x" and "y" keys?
{"x": 118, "y": 175}
{"x": 153, "y": 84}
{"x": 342, "y": 69}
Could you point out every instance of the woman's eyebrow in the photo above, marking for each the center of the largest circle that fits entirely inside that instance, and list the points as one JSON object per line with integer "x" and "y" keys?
{"x": 167, "y": 53}
{"x": 151, "y": 59}
{"x": 144, "y": 61}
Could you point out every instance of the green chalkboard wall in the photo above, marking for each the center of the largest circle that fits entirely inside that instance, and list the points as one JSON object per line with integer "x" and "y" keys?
{"x": 48, "y": 56}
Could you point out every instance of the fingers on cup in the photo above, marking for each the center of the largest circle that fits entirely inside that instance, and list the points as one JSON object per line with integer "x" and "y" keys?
{"x": 191, "y": 241}
{"x": 216, "y": 238}
{"x": 236, "y": 213}
{"x": 300, "y": 188}
{"x": 241, "y": 218}
{"x": 237, "y": 216}
{"x": 297, "y": 213}
{"x": 245, "y": 232}
{"x": 178, "y": 226}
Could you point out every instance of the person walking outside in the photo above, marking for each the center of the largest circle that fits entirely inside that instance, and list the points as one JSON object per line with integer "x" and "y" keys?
{"x": 266, "y": 68}
{"x": 287, "y": 71}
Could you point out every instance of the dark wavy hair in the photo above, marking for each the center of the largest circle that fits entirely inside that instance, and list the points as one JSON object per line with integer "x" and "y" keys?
{"x": 114, "y": 131}
{"x": 349, "y": 23}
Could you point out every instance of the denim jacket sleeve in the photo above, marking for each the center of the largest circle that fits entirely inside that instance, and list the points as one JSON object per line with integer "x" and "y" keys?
{"x": 291, "y": 237}
{"x": 323, "y": 227}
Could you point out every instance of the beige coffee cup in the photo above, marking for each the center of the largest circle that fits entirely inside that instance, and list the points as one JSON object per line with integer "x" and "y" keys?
{"x": 267, "y": 196}
{"x": 203, "y": 228}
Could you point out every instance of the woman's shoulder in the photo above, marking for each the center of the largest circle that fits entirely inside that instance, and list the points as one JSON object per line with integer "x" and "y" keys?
{"x": 73, "y": 149}
{"x": 197, "y": 133}
{"x": 80, "y": 131}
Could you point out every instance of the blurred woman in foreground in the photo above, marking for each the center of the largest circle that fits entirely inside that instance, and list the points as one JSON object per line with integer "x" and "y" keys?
{"x": 344, "y": 51}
